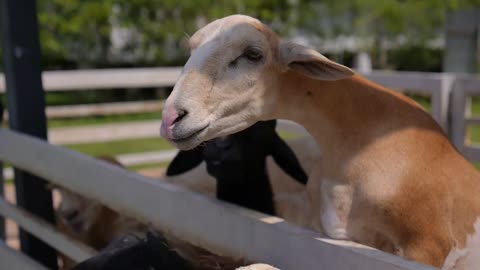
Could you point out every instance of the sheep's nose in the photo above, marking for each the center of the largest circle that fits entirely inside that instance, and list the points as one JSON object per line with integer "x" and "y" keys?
{"x": 170, "y": 117}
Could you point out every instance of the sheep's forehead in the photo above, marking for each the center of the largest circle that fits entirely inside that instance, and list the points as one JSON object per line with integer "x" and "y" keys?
{"x": 225, "y": 28}
{"x": 225, "y": 38}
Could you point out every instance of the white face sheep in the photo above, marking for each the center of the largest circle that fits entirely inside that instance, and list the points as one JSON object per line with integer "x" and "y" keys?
{"x": 390, "y": 171}
{"x": 238, "y": 163}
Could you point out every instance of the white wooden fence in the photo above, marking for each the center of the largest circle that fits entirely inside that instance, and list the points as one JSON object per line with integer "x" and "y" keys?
{"x": 219, "y": 227}
{"x": 437, "y": 86}
{"x": 203, "y": 221}
{"x": 465, "y": 87}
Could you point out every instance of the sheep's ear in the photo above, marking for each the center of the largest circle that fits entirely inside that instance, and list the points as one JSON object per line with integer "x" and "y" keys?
{"x": 287, "y": 160}
{"x": 311, "y": 63}
{"x": 185, "y": 161}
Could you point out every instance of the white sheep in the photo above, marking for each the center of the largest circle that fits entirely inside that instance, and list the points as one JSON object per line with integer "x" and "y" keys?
{"x": 390, "y": 175}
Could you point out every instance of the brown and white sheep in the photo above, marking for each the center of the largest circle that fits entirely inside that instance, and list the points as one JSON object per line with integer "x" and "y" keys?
{"x": 390, "y": 172}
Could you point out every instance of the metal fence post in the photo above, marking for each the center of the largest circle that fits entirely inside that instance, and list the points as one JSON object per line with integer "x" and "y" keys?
{"x": 2, "y": 182}
{"x": 459, "y": 110}
{"x": 26, "y": 107}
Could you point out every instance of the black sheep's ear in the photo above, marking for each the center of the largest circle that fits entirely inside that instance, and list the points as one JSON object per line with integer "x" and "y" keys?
{"x": 1, "y": 112}
{"x": 185, "y": 161}
{"x": 287, "y": 160}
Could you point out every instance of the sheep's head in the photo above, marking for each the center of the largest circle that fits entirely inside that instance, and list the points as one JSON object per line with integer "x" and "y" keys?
{"x": 76, "y": 213}
{"x": 231, "y": 78}
{"x": 237, "y": 156}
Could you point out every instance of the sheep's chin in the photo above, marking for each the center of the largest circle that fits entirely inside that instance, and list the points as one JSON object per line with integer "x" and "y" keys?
{"x": 216, "y": 128}
{"x": 190, "y": 142}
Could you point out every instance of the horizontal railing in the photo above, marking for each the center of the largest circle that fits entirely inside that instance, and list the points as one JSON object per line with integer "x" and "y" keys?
{"x": 436, "y": 85}
{"x": 12, "y": 259}
{"x": 465, "y": 88}
{"x": 75, "y": 80}
{"x": 201, "y": 221}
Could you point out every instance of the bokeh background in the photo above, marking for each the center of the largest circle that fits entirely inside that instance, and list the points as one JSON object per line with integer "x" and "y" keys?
{"x": 431, "y": 36}
{"x": 403, "y": 35}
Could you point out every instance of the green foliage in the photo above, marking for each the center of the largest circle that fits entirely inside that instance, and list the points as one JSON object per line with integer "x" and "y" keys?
{"x": 420, "y": 19}
{"x": 416, "y": 57}
{"x": 167, "y": 24}
{"x": 75, "y": 31}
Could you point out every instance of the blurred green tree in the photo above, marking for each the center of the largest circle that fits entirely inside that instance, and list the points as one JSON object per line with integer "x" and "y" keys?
{"x": 389, "y": 20}
{"x": 74, "y": 32}
{"x": 162, "y": 26}
{"x": 97, "y": 33}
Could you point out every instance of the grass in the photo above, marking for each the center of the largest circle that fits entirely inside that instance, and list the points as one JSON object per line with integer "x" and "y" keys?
{"x": 424, "y": 101}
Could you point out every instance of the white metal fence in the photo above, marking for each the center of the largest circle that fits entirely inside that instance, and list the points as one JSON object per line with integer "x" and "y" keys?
{"x": 203, "y": 221}
{"x": 219, "y": 227}
{"x": 465, "y": 87}
{"x": 437, "y": 86}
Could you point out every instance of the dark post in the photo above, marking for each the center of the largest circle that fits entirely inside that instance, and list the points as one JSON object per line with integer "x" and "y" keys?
{"x": 2, "y": 182}
{"x": 26, "y": 107}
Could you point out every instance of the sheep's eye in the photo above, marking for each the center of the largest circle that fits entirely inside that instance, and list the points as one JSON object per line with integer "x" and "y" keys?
{"x": 253, "y": 54}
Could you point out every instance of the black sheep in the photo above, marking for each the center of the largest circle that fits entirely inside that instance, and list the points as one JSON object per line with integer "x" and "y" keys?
{"x": 132, "y": 253}
{"x": 238, "y": 163}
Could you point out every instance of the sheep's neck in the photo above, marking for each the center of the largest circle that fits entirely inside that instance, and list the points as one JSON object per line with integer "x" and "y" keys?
{"x": 249, "y": 190}
{"x": 349, "y": 112}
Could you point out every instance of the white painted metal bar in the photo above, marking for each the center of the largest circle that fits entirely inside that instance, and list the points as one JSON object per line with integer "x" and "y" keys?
{"x": 103, "y": 109}
{"x": 472, "y": 121}
{"x": 469, "y": 84}
{"x": 105, "y": 133}
{"x": 432, "y": 84}
{"x": 148, "y": 157}
{"x": 463, "y": 89}
{"x": 115, "y": 108}
{"x": 46, "y": 232}
{"x": 472, "y": 152}
{"x": 458, "y": 116}
{"x": 424, "y": 82}
{"x": 12, "y": 259}
{"x": 219, "y": 227}
{"x": 106, "y": 78}
{"x": 127, "y": 130}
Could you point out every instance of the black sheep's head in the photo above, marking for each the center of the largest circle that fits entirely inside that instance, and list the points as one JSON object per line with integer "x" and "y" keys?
{"x": 240, "y": 153}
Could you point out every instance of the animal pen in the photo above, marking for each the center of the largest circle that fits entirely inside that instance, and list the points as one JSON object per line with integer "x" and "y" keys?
{"x": 219, "y": 227}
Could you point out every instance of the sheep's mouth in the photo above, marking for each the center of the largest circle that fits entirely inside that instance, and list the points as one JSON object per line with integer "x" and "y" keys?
{"x": 190, "y": 139}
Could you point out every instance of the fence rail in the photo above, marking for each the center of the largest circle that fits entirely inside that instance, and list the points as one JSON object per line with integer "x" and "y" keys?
{"x": 15, "y": 260}
{"x": 75, "y": 80}
{"x": 465, "y": 88}
{"x": 198, "y": 219}
{"x": 203, "y": 221}
{"x": 436, "y": 85}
